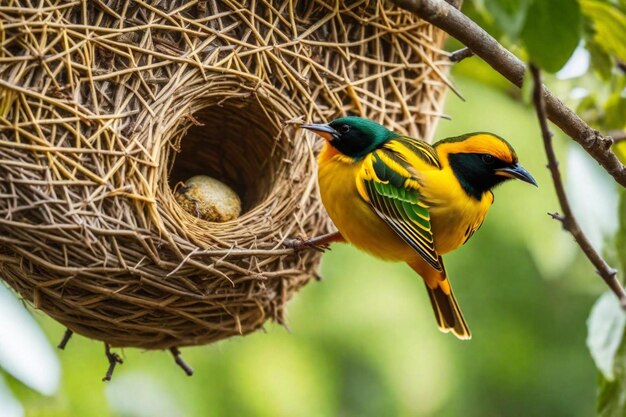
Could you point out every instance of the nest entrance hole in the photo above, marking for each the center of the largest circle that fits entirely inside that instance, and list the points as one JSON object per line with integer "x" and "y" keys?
{"x": 235, "y": 142}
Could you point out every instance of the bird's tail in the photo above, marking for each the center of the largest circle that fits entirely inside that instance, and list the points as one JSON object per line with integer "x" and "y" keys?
{"x": 447, "y": 311}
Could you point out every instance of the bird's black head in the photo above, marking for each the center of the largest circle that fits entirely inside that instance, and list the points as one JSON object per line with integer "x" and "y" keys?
{"x": 481, "y": 161}
{"x": 353, "y": 136}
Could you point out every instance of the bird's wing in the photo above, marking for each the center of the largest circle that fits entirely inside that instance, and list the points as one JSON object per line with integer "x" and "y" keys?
{"x": 390, "y": 184}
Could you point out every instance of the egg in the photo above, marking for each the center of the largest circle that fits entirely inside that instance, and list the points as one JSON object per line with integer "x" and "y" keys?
{"x": 209, "y": 199}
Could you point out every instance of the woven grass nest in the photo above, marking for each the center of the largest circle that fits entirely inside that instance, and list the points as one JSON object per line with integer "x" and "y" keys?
{"x": 105, "y": 106}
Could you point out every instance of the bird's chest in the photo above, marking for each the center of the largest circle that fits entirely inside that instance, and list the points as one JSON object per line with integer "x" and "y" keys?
{"x": 454, "y": 215}
{"x": 352, "y": 216}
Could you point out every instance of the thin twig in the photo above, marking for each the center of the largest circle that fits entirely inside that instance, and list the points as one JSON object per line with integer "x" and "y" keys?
{"x": 66, "y": 338}
{"x": 567, "y": 219}
{"x": 461, "y": 54}
{"x": 455, "y": 23}
{"x": 114, "y": 359}
{"x": 319, "y": 243}
{"x": 180, "y": 362}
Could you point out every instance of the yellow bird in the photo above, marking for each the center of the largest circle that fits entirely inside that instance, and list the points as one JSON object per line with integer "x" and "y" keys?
{"x": 401, "y": 199}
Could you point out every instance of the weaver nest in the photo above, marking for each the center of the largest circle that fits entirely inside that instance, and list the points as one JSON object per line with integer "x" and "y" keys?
{"x": 106, "y": 105}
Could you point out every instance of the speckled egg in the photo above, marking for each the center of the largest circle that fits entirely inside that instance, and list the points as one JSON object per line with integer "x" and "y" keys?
{"x": 209, "y": 199}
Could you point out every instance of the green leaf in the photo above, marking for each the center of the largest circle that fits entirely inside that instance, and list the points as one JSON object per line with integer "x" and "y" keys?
{"x": 620, "y": 150}
{"x": 593, "y": 198}
{"x": 606, "y": 326}
{"x": 11, "y": 407}
{"x": 605, "y": 330}
{"x": 551, "y": 32}
{"x": 477, "y": 11}
{"x": 609, "y": 23}
{"x": 610, "y": 402}
{"x": 37, "y": 366}
{"x": 588, "y": 104}
{"x": 615, "y": 111}
{"x": 509, "y": 15}
{"x": 601, "y": 61}
{"x": 620, "y": 239}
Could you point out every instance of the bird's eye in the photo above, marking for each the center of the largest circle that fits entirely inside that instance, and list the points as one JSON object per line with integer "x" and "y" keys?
{"x": 488, "y": 159}
{"x": 343, "y": 129}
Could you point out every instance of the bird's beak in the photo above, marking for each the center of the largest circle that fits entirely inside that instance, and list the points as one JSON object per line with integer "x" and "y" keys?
{"x": 323, "y": 130}
{"x": 517, "y": 171}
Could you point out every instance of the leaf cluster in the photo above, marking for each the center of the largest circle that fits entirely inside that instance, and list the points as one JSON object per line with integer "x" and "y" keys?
{"x": 550, "y": 31}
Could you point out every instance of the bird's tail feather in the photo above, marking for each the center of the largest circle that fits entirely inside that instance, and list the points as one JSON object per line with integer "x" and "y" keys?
{"x": 446, "y": 308}
{"x": 447, "y": 312}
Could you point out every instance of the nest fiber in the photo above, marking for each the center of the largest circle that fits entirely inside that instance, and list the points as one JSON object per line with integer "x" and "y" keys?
{"x": 106, "y": 105}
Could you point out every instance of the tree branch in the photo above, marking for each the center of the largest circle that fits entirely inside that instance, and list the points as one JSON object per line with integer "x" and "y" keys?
{"x": 568, "y": 220}
{"x": 617, "y": 135}
{"x": 455, "y": 23}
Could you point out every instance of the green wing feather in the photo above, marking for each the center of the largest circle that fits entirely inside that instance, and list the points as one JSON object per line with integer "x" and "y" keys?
{"x": 396, "y": 200}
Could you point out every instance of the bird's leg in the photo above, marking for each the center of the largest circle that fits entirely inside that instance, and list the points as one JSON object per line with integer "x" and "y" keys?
{"x": 180, "y": 362}
{"x": 318, "y": 243}
{"x": 114, "y": 359}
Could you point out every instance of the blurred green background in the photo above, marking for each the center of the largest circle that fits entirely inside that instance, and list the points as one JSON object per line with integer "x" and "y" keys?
{"x": 363, "y": 341}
